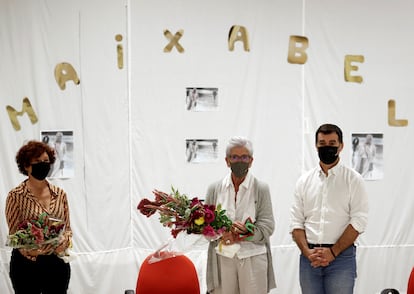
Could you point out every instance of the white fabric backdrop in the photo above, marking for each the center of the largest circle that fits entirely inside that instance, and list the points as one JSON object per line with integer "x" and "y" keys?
{"x": 130, "y": 124}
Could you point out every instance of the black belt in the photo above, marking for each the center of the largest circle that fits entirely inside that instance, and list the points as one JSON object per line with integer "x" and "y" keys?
{"x": 311, "y": 246}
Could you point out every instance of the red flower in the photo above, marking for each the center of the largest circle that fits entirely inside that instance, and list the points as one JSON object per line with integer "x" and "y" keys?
{"x": 194, "y": 202}
{"x": 179, "y": 213}
{"x": 209, "y": 231}
{"x": 38, "y": 234}
{"x": 142, "y": 207}
{"x": 209, "y": 215}
{"x": 160, "y": 197}
{"x": 23, "y": 225}
{"x": 197, "y": 214}
{"x": 174, "y": 232}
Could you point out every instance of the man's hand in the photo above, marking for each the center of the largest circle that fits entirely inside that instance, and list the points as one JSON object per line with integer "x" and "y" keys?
{"x": 320, "y": 256}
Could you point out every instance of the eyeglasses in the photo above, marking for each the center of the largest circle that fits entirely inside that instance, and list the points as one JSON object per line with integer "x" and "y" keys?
{"x": 236, "y": 158}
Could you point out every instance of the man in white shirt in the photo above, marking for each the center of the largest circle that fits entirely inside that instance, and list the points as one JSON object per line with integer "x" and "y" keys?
{"x": 329, "y": 212}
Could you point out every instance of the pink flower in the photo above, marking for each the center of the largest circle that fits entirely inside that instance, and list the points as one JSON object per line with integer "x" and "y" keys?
{"x": 209, "y": 231}
{"x": 221, "y": 230}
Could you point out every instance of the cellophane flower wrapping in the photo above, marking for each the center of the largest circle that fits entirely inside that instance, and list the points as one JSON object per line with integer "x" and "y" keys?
{"x": 34, "y": 233}
{"x": 167, "y": 250}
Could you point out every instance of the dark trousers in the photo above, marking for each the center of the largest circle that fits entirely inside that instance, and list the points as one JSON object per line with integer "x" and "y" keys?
{"x": 49, "y": 274}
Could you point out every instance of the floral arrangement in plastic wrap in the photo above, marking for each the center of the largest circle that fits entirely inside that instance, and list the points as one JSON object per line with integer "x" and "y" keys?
{"x": 180, "y": 213}
{"x": 34, "y": 233}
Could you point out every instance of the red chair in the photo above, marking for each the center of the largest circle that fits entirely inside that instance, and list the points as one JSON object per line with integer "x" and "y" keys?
{"x": 410, "y": 288}
{"x": 173, "y": 275}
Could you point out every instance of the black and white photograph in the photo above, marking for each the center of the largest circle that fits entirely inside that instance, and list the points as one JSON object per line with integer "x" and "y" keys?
{"x": 62, "y": 143}
{"x": 201, "y": 150}
{"x": 367, "y": 155}
{"x": 201, "y": 99}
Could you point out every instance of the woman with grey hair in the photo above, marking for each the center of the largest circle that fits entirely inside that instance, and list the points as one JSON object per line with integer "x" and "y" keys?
{"x": 239, "y": 142}
{"x": 241, "y": 261}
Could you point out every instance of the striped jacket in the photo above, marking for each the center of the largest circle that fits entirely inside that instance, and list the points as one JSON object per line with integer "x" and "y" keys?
{"x": 22, "y": 205}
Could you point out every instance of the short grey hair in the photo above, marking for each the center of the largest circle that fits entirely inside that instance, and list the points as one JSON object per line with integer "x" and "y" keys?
{"x": 239, "y": 142}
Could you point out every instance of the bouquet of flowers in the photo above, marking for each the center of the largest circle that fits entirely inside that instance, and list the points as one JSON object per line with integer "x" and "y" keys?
{"x": 181, "y": 213}
{"x": 33, "y": 233}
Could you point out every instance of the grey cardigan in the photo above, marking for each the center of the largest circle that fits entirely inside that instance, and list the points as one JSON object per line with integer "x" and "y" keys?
{"x": 264, "y": 229}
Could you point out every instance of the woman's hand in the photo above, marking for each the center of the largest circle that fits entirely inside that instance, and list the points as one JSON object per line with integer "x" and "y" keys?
{"x": 63, "y": 244}
{"x": 32, "y": 254}
{"x": 228, "y": 238}
{"x": 239, "y": 228}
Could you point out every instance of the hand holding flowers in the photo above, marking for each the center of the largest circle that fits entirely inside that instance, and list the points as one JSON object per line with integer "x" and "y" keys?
{"x": 239, "y": 232}
{"x": 37, "y": 236}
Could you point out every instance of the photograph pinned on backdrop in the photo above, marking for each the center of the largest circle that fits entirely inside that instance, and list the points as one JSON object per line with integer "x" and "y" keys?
{"x": 61, "y": 141}
{"x": 201, "y": 150}
{"x": 201, "y": 99}
{"x": 367, "y": 155}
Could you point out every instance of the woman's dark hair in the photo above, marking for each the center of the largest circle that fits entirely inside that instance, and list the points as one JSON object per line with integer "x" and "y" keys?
{"x": 328, "y": 129}
{"x": 31, "y": 150}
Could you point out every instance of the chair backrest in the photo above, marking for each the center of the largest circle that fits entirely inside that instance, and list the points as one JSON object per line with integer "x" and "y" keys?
{"x": 410, "y": 288}
{"x": 174, "y": 275}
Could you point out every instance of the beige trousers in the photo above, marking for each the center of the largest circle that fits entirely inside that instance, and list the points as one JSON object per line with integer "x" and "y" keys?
{"x": 243, "y": 276}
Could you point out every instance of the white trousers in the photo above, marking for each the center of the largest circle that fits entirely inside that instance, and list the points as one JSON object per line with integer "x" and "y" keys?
{"x": 243, "y": 276}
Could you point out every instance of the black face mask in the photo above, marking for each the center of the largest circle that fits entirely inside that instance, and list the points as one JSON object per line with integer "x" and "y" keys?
{"x": 328, "y": 154}
{"x": 40, "y": 170}
{"x": 239, "y": 169}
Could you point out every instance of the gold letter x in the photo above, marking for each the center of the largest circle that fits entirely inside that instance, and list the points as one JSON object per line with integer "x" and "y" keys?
{"x": 173, "y": 41}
